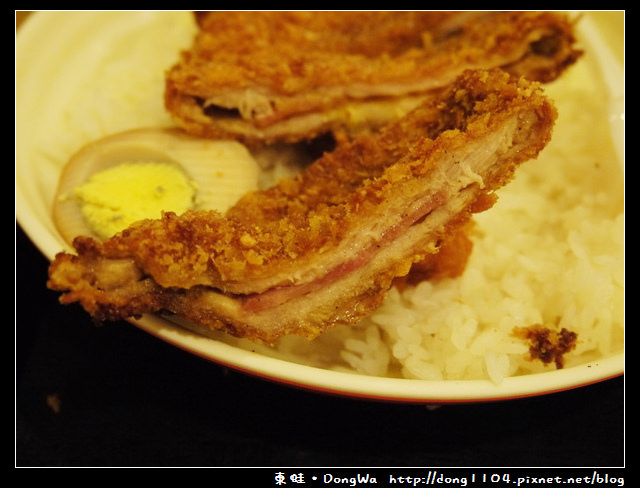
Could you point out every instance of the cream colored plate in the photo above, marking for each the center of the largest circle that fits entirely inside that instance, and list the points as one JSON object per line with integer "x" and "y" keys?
{"x": 49, "y": 80}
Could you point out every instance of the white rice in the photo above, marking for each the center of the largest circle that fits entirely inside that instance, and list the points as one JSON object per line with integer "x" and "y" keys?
{"x": 550, "y": 252}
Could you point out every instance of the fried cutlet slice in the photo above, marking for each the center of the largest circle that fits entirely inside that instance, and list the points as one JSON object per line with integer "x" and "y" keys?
{"x": 321, "y": 248}
{"x": 263, "y": 77}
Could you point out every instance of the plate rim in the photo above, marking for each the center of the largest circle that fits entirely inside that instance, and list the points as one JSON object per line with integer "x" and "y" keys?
{"x": 319, "y": 379}
{"x": 403, "y": 390}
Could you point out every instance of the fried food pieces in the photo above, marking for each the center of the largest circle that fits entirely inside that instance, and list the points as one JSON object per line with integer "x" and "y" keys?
{"x": 321, "y": 248}
{"x": 263, "y": 77}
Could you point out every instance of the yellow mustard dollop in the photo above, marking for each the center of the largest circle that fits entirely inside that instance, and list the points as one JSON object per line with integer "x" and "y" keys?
{"x": 114, "y": 198}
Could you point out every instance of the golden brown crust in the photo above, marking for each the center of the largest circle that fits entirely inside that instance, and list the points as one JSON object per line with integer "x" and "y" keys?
{"x": 293, "y": 52}
{"x": 207, "y": 267}
{"x": 314, "y": 210}
{"x": 268, "y": 67}
{"x": 546, "y": 344}
{"x": 319, "y": 205}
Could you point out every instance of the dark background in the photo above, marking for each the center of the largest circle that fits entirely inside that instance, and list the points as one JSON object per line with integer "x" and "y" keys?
{"x": 129, "y": 399}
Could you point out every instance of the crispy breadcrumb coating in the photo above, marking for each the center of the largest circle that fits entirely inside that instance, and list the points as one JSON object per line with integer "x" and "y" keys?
{"x": 547, "y": 345}
{"x": 273, "y": 76}
{"x": 323, "y": 247}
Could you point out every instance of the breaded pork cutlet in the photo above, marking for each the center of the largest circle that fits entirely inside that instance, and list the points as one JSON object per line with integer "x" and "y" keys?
{"x": 263, "y": 77}
{"x": 321, "y": 248}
